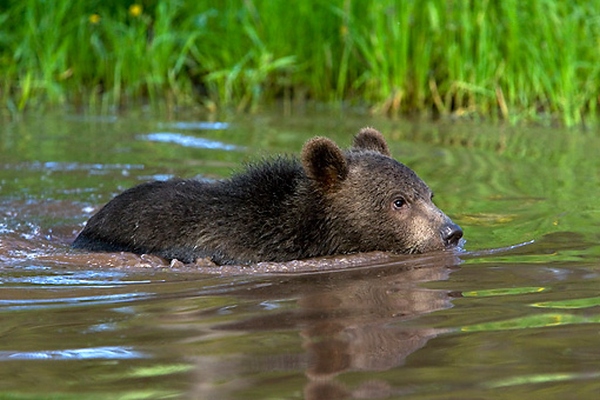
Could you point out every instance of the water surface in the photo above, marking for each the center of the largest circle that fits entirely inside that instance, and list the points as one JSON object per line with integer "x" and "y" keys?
{"x": 516, "y": 314}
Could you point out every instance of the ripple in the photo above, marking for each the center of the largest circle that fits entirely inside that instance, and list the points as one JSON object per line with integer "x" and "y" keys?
{"x": 58, "y": 166}
{"x": 30, "y": 304}
{"x": 187, "y": 141}
{"x": 199, "y": 125}
{"x": 84, "y": 278}
{"x": 91, "y": 353}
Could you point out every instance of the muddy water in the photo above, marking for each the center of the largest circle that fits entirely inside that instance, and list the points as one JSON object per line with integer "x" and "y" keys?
{"x": 517, "y": 313}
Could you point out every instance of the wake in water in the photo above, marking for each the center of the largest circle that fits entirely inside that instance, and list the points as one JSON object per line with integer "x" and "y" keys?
{"x": 41, "y": 233}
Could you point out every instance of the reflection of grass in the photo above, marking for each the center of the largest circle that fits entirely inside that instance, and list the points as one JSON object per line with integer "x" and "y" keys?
{"x": 510, "y": 59}
{"x": 503, "y": 291}
{"x": 540, "y": 378}
{"x": 570, "y": 304}
{"x": 531, "y": 321}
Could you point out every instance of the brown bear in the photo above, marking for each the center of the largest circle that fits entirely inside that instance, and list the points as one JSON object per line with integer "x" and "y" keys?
{"x": 329, "y": 202}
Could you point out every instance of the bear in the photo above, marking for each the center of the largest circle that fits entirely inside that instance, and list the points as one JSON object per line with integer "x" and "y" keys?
{"x": 328, "y": 202}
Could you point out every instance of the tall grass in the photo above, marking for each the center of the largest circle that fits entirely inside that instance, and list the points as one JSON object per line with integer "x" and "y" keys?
{"x": 503, "y": 59}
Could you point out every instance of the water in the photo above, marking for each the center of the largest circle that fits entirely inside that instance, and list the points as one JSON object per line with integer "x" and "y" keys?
{"x": 516, "y": 314}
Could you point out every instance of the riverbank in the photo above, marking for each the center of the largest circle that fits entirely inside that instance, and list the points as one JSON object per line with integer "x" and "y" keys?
{"x": 502, "y": 60}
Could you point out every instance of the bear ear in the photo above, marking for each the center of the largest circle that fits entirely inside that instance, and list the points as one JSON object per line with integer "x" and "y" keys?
{"x": 324, "y": 162}
{"x": 371, "y": 139}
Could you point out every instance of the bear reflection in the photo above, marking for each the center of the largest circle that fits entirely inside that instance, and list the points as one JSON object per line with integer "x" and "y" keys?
{"x": 350, "y": 321}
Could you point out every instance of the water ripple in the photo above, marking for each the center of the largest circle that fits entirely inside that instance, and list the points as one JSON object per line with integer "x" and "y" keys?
{"x": 187, "y": 141}
{"x": 199, "y": 125}
{"x": 58, "y": 166}
{"x": 30, "y": 304}
{"x": 91, "y": 353}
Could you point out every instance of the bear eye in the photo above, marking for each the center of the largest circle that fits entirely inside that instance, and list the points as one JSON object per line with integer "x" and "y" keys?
{"x": 399, "y": 203}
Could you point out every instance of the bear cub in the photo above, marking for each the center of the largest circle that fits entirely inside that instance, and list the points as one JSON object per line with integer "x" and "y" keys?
{"x": 329, "y": 202}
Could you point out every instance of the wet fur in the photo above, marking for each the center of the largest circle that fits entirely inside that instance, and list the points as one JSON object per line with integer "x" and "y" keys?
{"x": 330, "y": 202}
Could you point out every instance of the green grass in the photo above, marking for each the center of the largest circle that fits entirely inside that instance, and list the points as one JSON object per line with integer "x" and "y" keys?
{"x": 514, "y": 60}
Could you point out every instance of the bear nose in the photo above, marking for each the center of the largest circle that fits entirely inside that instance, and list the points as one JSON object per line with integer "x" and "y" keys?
{"x": 451, "y": 234}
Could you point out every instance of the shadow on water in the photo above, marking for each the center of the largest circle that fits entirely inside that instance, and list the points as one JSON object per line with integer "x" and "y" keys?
{"x": 514, "y": 314}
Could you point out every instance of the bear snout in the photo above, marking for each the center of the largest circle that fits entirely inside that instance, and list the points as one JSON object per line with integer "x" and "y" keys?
{"x": 451, "y": 234}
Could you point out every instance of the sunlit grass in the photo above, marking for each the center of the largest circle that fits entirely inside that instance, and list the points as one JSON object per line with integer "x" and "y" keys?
{"x": 511, "y": 60}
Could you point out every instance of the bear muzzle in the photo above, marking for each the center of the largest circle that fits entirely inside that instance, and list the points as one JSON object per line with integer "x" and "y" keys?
{"x": 451, "y": 234}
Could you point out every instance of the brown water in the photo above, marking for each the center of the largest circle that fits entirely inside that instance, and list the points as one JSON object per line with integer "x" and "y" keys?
{"x": 516, "y": 314}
